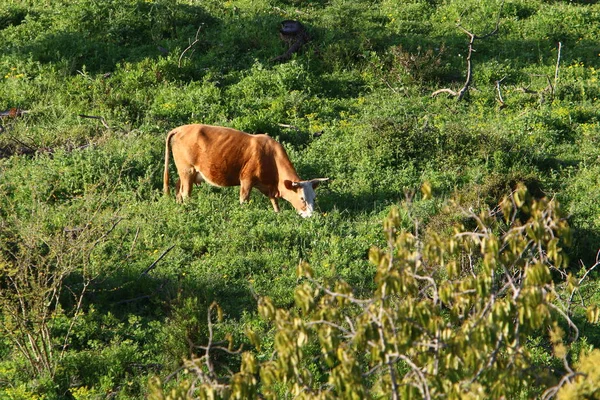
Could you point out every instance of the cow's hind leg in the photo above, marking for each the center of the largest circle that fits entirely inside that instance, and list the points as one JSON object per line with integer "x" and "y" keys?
{"x": 178, "y": 191}
{"x": 186, "y": 182}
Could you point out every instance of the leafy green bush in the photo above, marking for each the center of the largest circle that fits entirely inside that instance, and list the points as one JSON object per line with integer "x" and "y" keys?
{"x": 449, "y": 317}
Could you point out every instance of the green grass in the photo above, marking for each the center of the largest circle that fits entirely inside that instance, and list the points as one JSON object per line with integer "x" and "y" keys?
{"x": 363, "y": 84}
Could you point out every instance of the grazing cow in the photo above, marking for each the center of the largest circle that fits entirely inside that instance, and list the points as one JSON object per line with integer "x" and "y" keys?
{"x": 228, "y": 157}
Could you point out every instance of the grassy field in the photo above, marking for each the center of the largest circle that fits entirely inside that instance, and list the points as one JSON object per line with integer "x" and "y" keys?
{"x": 112, "y": 281}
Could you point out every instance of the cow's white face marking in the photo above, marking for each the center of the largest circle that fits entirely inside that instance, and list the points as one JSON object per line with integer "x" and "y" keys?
{"x": 307, "y": 197}
{"x": 302, "y": 195}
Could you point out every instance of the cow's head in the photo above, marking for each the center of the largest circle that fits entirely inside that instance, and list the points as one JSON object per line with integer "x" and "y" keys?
{"x": 302, "y": 195}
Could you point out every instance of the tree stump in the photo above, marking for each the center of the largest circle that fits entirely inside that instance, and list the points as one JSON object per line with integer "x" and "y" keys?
{"x": 294, "y": 35}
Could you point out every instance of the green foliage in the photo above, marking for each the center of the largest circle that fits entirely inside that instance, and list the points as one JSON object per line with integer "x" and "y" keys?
{"x": 449, "y": 316}
{"x": 116, "y": 281}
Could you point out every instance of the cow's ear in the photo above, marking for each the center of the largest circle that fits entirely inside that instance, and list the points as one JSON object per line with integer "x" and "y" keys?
{"x": 291, "y": 185}
{"x": 316, "y": 182}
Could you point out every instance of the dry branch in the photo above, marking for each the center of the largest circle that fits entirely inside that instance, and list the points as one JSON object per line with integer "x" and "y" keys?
{"x": 190, "y": 46}
{"x": 472, "y": 37}
{"x": 550, "y": 87}
{"x": 290, "y": 127}
{"x": 13, "y": 112}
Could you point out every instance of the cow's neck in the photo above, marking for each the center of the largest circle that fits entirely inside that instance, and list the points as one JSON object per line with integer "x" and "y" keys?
{"x": 286, "y": 171}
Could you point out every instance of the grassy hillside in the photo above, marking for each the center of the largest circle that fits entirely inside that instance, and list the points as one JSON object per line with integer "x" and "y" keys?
{"x": 115, "y": 280}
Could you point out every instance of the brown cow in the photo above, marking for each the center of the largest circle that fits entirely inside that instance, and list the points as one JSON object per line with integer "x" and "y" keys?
{"x": 228, "y": 157}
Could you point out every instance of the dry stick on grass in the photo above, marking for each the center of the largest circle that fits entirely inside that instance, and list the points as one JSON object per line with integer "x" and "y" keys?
{"x": 550, "y": 88}
{"x": 499, "y": 90}
{"x": 189, "y": 47}
{"x": 26, "y": 149}
{"x": 290, "y": 127}
{"x": 202, "y": 367}
{"x": 557, "y": 64}
{"x": 472, "y": 37}
{"x": 101, "y": 119}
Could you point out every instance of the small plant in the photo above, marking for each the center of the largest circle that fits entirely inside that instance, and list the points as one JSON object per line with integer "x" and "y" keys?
{"x": 36, "y": 260}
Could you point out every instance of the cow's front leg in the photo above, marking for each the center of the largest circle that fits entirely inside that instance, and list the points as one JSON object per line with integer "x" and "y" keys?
{"x": 275, "y": 205}
{"x": 245, "y": 188}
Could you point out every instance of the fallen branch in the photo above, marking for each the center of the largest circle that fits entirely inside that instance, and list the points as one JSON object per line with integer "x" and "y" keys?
{"x": 25, "y": 148}
{"x": 13, "y": 112}
{"x": 290, "y": 127}
{"x": 550, "y": 87}
{"x": 440, "y": 91}
{"x": 541, "y": 93}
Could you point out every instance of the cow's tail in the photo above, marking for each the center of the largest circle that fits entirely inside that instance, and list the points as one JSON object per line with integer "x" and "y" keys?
{"x": 166, "y": 173}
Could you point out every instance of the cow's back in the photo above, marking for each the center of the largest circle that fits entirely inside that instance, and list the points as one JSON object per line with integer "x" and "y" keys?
{"x": 223, "y": 156}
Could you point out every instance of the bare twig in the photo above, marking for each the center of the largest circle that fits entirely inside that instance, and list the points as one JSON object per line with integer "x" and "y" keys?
{"x": 568, "y": 319}
{"x": 551, "y": 87}
{"x": 190, "y": 46}
{"x": 74, "y": 318}
{"x": 440, "y": 91}
{"x": 147, "y": 296}
{"x": 340, "y": 328}
{"x": 137, "y": 233}
{"x": 551, "y": 392}
{"x": 424, "y": 387}
{"x": 108, "y": 232}
{"x": 587, "y": 272}
{"x": 30, "y": 148}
